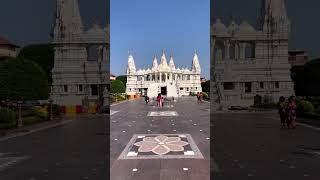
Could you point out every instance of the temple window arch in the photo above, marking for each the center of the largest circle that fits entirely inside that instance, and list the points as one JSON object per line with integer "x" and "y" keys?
{"x": 250, "y": 50}
{"x": 163, "y": 77}
{"x": 219, "y": 50}
{"x": 232, "y": 50}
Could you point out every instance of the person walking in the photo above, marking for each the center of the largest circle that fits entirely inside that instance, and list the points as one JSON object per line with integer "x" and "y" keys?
{"x": 162, "y": 101}
{"x": 291, "y": 113}
{"x": 147, "y": 99}
{"x": 159, "y": 100}
{"x": 200, "y": 97}
{"x": 282, "y": 111}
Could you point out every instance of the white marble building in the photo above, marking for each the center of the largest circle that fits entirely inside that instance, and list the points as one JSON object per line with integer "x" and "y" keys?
{"x": 163, "y": 78}
{"x": 250, "y": 65}
{"x": 81, "y": 58}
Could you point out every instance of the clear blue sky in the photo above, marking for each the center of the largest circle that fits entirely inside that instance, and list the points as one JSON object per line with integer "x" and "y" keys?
{"x": 147, "y": 26}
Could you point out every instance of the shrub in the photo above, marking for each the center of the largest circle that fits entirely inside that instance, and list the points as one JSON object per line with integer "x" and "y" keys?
{"x": 31, "y": 120}
{"x": 206, "y": 86}
{"x": 22, "y": 79}
{"x": 121, "y": 97}
{"x": 40, "y": 112}
{"x": 7, "y": 118}
{"x": 305, "y": 106}
{"x": 117, "y": 97}
{"x": 56, "y": 110}
{"x": 117, "y": 86}
{"x": 193, "y": 94}
{"x": 205, "y": 95}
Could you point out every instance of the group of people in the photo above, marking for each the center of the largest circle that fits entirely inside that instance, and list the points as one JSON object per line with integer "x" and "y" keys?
{"x": 160, "y": 100}
{"x": 200, "y": 97}
{"x": 288, "y": 112}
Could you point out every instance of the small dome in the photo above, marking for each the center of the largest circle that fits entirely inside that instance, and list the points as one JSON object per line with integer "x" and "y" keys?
{"x": 219, "y": 28}
{"x": 245, "y": 27}
{"x": 96, "y": 30}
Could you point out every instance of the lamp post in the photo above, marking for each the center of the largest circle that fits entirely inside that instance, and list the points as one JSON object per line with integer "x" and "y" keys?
{"x": 50, "y": 106}
{"x": 19, "y": 119}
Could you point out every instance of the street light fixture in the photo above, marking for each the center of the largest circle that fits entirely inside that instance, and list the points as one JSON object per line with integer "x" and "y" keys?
{"x": 19, "y": 120}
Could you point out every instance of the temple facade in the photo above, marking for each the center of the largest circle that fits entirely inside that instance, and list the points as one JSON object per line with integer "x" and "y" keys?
{"x": 163, "y": 78}
{"x": 81, "y": 58}
{"x": 250, "y": 64}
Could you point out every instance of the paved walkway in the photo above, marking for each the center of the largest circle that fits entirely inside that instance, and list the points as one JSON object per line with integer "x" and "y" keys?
{"x": 72, "y": 151}
{"x": 253, "y": 146}
{"x": 184, "y": 121}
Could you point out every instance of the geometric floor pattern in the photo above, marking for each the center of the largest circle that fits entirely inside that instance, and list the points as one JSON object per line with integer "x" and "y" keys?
{"x": 163, "y": 113}
{"x": 112, "y": 112}
{"x": 161, "y": 146}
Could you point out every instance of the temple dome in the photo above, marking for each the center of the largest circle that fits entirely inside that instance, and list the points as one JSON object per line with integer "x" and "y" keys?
{"x": 233, "y": 27}
{"x": 96, "y": 30}
{"x": 245, "y": 27}
{"x": 219, "y": 28}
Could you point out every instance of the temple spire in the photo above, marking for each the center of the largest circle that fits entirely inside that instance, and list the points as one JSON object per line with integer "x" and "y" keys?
{"x": 68, "y": 19}
{"x": 163, "y": 60}
{"x": 131, "y": 68}
{"x": 195, "y": 63}
{"x": 274, "y": 16}
{"x": 171, "y": 63}
{"x": 155, "y": 63}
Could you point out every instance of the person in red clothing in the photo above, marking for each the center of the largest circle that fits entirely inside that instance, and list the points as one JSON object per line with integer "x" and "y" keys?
{"x": 291, "y": 113}
{"x": 159, "y": 100}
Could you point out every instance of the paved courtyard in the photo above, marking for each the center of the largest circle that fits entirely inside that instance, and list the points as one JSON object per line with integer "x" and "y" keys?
{"x": 253, "y": 146}
{"x": 72, "y": 151}
{"x": 149, "y": 142}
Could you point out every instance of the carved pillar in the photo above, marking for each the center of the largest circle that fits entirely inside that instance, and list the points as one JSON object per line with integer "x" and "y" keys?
{"x": 166, "y": 79}
{"x": 227, "y": 49}
{"x": 242, "y": 50}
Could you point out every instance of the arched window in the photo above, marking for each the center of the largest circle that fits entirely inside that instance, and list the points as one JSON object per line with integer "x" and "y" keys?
{"x": 232, "y": 50}
{"x": 250, "y": 50}
{"x": 219, "y": 50}
{"x": 163, "y": 77}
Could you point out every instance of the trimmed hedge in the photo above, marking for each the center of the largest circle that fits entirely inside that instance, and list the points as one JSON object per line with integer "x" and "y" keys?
{"x": 205, "y": 95}
{"x": 305, "y": 106}
{"x": 7, "y": 118}
{"x": 40, "y": 112}
{"x": 31, "y": 120}
{"x": 117, "y": 98}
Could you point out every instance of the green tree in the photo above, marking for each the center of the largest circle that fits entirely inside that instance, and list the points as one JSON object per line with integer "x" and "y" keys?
{"x": 42, "y": 54}
{"x": 307, "y": 80}
{"x": 206, "y": 86}
{"x": 123, "y": 79}
{"x": 22, "y": 79}
{"x": 117, "y": 86}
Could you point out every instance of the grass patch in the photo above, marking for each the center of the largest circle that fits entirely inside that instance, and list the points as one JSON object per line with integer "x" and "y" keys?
{"x": 7, "y": 125}
{"x": 32, "y": 120}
